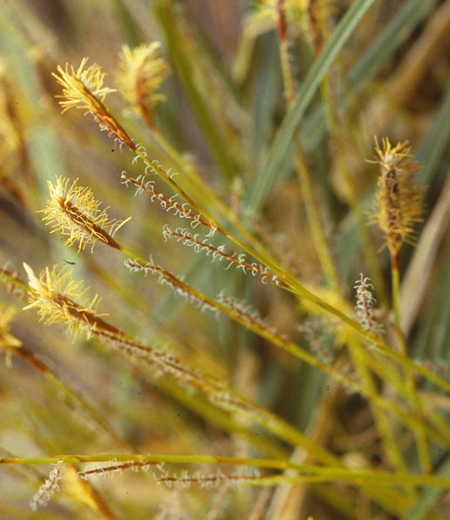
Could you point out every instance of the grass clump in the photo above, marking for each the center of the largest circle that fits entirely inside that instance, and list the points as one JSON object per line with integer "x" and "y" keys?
{"x": 285, "y": 361}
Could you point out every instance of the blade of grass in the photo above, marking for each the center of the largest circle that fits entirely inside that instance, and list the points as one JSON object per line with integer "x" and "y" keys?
{"x": 396, "y": 32}
{"x": 435, "y": 144}
{"x": 203, "y": 100}
{"x": 283, "y": 139}
{"x": 427, "y": 500}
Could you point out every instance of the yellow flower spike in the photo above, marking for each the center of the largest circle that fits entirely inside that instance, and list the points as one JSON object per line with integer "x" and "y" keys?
{"x": 398, "y": 206}
{"x": 74, "y": 212}
{"x": 140, "y": 74}
{"x": 398, "y": 201}
{"x": 54, "y": 295}
{"x": 84, "y": 89}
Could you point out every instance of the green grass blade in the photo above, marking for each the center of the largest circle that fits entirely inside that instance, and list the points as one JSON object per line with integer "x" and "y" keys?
{"x": 394, "y": 35}
{"x": 431, "y": 151}
{"x": 285, "y": 134}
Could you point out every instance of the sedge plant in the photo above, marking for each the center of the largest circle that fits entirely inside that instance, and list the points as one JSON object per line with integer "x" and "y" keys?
{"x": 206, "y": 280}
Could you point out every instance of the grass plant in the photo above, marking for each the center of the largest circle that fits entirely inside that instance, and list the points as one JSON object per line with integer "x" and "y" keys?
{"x": 225, "y": 287}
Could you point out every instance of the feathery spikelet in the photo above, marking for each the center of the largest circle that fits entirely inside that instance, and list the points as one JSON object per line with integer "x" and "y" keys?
{"x": 55, "y": 297}
{"x": 84, "y": 89}
{"x": 50, "y": 486}
{"x": 74, "y": 212}
{"x": 365, "y": 303}
{"x": 141, "y": 72}
{"x": 398, "y": 201}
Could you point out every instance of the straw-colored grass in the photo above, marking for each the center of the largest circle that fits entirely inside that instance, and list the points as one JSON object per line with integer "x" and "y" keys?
{"x": 225, "y": 259}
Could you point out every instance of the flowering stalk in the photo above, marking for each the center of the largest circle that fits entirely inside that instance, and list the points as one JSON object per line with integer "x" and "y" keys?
{"x": 185, "y": 236}
{"x": 170, "y": 204}
{"x": 290, "y": 282}
{"x": 141, "y": 72}
{"x": 84, "y": 89}
{"x": 303, "y": 173}
{"x": 46, "y": 294}
{"x": 73, "y": 211}
{"x": 237, "y": 313}
{"x": 76, "y": 213}
{"x": 323, "y": 473}
{"x": 398, "y": 209}
{"x": 398, "y": 205}
{"x": 294, "y": 285}
{"x": 85, "y": 225}
{"x": 54, "y": 294}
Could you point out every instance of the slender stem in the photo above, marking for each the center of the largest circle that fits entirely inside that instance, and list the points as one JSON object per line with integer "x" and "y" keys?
{"x": 335, "y": 124}
{"x": 381, "y": 417}
{"x": 307, "y": 189}
{"x": 414, "y": 397}
{"x": 396, "y": 289}
{"x": 323, "y": 473}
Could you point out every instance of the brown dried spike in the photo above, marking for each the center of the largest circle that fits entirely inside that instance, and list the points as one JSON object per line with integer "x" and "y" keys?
{"x": 398, "y": 201}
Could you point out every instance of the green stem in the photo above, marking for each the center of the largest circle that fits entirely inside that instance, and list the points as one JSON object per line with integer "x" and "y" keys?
{"x": 335, "y": 126}
{"x": 306, "y": 186}
{"x": 322, "y": 473}
{"x": 414, "y": 397}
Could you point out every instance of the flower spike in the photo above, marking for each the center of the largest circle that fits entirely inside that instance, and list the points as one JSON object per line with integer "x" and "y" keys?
{"x": 54, "y": 294}
{"x": 141, "y": 72}
{"x": 75, "y": 213}
{"x": 84, "y": 89}
{"x": 398, "y": 202}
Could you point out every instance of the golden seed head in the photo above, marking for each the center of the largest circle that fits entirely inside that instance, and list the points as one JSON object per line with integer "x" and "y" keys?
{"x": 75, "y": 213}
{"x": 55, "y": 296}
{"x": 83, "y": 88}
{"x": 398, "y": 201}
{"x": 141, "y": 72}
